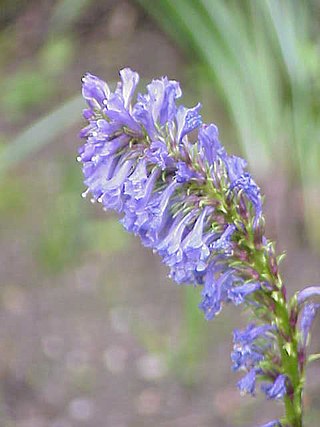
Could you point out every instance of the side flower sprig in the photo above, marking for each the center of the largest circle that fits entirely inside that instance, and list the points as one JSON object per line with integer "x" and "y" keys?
{"x": 174, "y": 184}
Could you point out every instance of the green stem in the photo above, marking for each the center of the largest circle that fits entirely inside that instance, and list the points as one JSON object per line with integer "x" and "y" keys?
{"x": 261, "y": 260}
{"x": 288, "y": 345}
{"x": 287, "y": 337}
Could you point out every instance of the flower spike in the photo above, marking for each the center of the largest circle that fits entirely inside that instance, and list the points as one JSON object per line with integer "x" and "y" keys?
{"x": 201, "y": 211}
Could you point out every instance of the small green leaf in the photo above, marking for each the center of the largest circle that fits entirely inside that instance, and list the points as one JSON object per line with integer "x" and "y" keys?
{"x": 288, "y": 347}
{"x": 313, "y": 357}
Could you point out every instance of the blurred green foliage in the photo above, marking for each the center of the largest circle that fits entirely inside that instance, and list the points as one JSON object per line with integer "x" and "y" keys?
{"x": 106, "y": 235}
{"x": 66, "y": 13}
{"x": 40, "y": 133}
{"x": 61, "y": 239}
{"x": 25, "y": 89}
{"x": 67, "y": 231}
{"x": 56, "y": 55}
{"x": 34, "y": 83}
{"x": 13, "y": 200}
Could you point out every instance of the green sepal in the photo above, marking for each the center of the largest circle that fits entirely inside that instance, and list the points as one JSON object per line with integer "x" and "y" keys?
{"x": 281, "y": 257}
{"x": 313, "y": 357}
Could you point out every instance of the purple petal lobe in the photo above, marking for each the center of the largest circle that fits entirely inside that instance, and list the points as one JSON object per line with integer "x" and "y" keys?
{"x": 274, "y": 423}
{"x": 276, "y": 390}
{"x": 188, "y": 119}
{"x": 309, "y": 292}
{"x": 308, "y": 314}
{"x": 130, "y": 80}
{"x": 95, "y": 91}
{"x": 247, "y": 384}
{"x": 250, "y": 189}
{"x": 237, "y": 294}
{"x": 210, "y": 145}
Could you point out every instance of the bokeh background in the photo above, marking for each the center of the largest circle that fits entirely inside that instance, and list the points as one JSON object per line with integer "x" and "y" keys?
{"x": 92, "y": 332}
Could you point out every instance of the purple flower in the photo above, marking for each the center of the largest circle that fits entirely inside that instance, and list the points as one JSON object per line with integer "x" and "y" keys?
{"x": 185, "y": 172}
{"x": 158, "y": 154}
{"x": 251, "y": 333}
{"x": 215, "y": 291}
{"x": 235, "y": 167}
{"x": 157, "y": 108}
{"x": 112, "y": 191}
{"x": 170, "y": 248}
{"x": 136, "y": 183}
{"x": 187, "y": 120}
{"x": 162, "y": 96}
{"x": 95, "y": 91}
{"x": 129, "y": 82}
{"x": 223, "y": 243}
{"x": 309, "y": 292}
{"x": 209, "y": 144}
{"x": 138, "y": 161}
{"x": 246, "y": 357}
{"x": 195, "y": 248}
{"x": 250, "y": 189}
{"x": 274, "y": 423}
{"x": 277, "y": 389}
{"x": 156, "y": 213}
{"x": 247, "y": 384}
{"x": 238, "y": 294}
{"x": 308, "y": 314}
{"x": 249, "y": 346}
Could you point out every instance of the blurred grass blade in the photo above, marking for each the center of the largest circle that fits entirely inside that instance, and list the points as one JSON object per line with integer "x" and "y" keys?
{"x": 65, "y": 13}
{"x": 229, "y": 60}
{"x": 290, "y": 33}
{"x": 41, "y": 133}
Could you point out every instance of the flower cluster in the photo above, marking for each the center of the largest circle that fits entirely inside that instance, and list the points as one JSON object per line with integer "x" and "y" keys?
{"x": 177, "y": 195}
{"x": 174, "y": 184}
